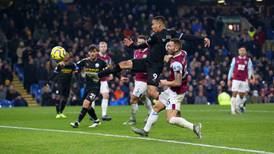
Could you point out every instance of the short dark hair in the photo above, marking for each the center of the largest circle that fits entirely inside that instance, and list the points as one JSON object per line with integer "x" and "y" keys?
{"x": 142, "y": 37}
{"x": 160, "y": 18}
{"x": 177, "y": 42}
{"x": 92, "y": 47}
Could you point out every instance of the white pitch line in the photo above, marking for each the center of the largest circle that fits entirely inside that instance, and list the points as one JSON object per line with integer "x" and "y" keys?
{"x": 139, "y": 138}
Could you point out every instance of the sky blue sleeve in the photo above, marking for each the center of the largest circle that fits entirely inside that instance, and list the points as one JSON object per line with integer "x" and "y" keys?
{"x": 250, "y": 68}
{"x": 232, "y": 65}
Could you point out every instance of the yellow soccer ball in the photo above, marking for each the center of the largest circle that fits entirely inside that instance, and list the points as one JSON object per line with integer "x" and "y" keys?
{"x": 58, "y": 53}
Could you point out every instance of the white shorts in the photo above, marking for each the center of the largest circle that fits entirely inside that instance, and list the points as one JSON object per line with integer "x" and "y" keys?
{"x": 104, "y": 87}
{"x": 171, "y": 99}
{"x": 140, "y": 88}
{"x": 239, "y": 86}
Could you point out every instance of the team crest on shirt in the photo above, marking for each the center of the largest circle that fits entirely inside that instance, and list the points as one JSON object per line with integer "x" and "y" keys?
{"x": 97, "y": 65}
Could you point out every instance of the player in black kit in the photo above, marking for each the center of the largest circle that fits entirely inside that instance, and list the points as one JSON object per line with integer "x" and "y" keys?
{"x": 92, "y": 64}
{"x": 153, "y": 64}
{"x": 62, "y": 76}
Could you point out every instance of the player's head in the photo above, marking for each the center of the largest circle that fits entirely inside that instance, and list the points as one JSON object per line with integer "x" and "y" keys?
{"x": 173, "y": 46}
{"x": 141, "y": 39}
{"x": 158, "y": 23}
{"x": 103, "y": 47}
{"x": 92, "y": 52}
{"x": 66, "y": 57}
{"x": 242, "y": 51}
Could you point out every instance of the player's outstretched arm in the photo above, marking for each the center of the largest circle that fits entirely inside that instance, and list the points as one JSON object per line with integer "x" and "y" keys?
{"x": 129, "y": 43}
{"x": 189, "y": 37}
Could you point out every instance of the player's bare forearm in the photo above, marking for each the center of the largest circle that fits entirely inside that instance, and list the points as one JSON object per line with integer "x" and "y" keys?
{"x": 175, "y": 83}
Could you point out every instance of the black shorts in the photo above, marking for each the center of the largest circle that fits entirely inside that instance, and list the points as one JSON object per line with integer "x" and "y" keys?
{"x": 91, "y": 92}
{"x": 62, "y": 89}
{"x": 153, "y": 70}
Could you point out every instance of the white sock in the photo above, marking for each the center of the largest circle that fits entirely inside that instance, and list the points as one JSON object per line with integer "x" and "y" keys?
{"x": 104, "y": 106}
{"x": 134, "y": 109}
{"x": 93, "y": 104}
{"x": 153, "y": 117}
{"x": 238, "y": 102}
{"x": 233, "y": 105}
{"x": 243, "y": 100}
{"x": 148, "y": 104}
{"x": 181, "y": 122}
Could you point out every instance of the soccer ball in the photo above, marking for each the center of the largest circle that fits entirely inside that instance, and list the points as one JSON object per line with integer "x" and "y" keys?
{"x": 58, "y": 53}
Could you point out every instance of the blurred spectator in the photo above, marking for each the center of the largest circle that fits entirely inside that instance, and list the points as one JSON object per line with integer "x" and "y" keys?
{"x": 118, "y": 93}
{"x": 255, "y": 98}
{"x": 29, "y": 74}
{"x": 75, "y": 94}
{"x": 189, "y": 98}
{"x": 46, "y": 96}
{"x": 200, "y": 99}
{"x": 15, "y": 97}
{"x": 3, "y": 92}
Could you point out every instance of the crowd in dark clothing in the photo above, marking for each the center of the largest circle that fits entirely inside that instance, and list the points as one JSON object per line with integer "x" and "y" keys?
{"x": 29, "y": 29}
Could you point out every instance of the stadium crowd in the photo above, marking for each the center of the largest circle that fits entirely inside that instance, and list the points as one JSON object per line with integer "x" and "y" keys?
{"x": 29, "y": 31}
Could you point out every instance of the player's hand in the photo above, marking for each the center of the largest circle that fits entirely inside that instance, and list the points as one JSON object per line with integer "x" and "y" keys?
{"x": 206, "y": 42}
{"x": 62, "y": 64}
{"x": 229, "y": 83}
{"x": 127, "y": 41}
{"x": 163, "y": 83}
{"x": 167, "y": 58}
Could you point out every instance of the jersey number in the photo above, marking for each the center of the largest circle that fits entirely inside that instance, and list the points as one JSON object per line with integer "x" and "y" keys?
{"x": 241, "y": 67}
{"x": 155, "y": 76}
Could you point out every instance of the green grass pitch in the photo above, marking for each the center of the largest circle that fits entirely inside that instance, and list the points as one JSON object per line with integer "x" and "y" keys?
{"x": 35, "y": 130}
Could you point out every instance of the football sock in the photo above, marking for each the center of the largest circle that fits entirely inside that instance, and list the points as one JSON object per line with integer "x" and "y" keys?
{"x": 243, "y": 100}
{"x": 148, "y": 104}
{"x": 233, "y": 105}
{"x": 238, "y": 102}
{"x": 153, "y": 117}
{"x": 134, "y": 109}
{"x": 181, "y": 122}
{"x": 57, "y": 107}
{"x": 92, "y": 114}
{"x": 104, "y": 106}
{"x": 63, "y": 105}
{"x": 93, "y": 104}
{"x": 82, "y": 114}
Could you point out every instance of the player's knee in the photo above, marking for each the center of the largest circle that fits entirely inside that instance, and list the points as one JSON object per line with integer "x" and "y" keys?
{"x": 156, "y": 108}
{"x": 86, "y": 104}
{"x": 134, "y": 99}
{"x": 234, "y": 94}
{"x": 105, "y": 95}
{"x": 241, "y": 95}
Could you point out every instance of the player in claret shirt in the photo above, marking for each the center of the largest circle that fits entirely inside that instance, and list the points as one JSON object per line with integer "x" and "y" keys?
{"x": 104, "y": 88}
{"x": 140, "y": 85}
{"x": 171, "y": 98}
{"x": 240, "y": 72}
